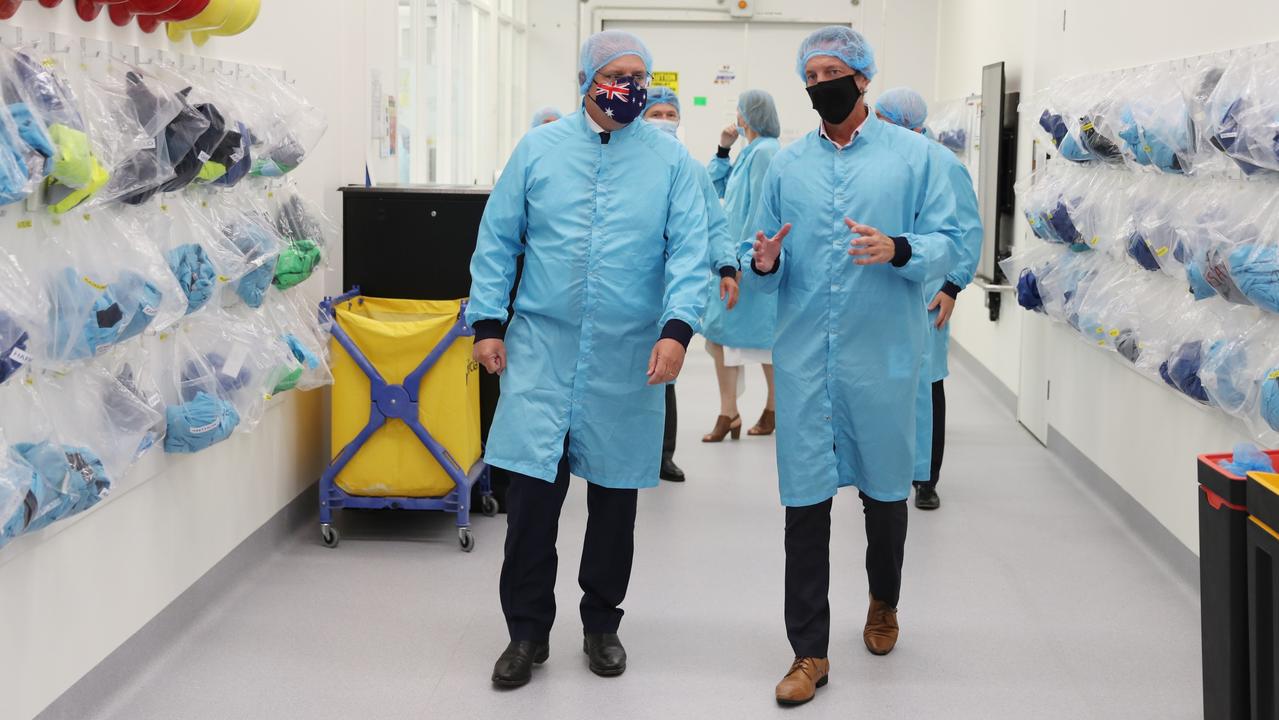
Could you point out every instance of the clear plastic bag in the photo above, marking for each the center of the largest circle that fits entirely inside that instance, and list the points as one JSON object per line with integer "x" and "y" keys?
{"x": 1154, "y": 235}
{"x": 1028, "y": 265}
{"x": 16, "y": 480}
{"x": 950, "y": 124}
{"x": 1202, "y": 333}
{"x": 190, "y": 160}
{"x": 66, "y": 478}
{"x": 294, "y": 128}
{"x": 297, "y": 328}
{"x": 1058, "y": 111}
{"x": 1243, "y": 112}
{"x": 307, "y": 234}
{"x": 242, "y": 246}
{"x": 1228, "y": 232}
{"x": 31, "y": 137}
{"x": 22, "y": 315}
{"x": 1236, "y": 366}
{"x": 1100, "y": 123}
{"x": 1157, "y": 127}
{"x": 103, "y": 282}
{"x": 131, "y": 396}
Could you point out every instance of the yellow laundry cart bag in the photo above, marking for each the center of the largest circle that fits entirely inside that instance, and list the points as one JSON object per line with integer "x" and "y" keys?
{"x": 396, "y": 336}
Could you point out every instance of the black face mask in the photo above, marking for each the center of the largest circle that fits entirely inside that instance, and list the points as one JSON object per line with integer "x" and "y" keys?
{"x": 835, "y": 99}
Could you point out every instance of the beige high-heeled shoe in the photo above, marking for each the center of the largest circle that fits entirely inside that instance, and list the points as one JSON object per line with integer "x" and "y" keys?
{"x": 724, "y": 426}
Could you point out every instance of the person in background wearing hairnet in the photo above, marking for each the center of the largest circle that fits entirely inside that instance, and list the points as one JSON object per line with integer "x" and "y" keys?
{"x": 904, "y": 107}
{"x": 854, "y": 218}
{"x": 663, "y": 112}
{"x": 745, "y": 336}
{"x": 545, "y": 115}
{"x": 610, "y": 220}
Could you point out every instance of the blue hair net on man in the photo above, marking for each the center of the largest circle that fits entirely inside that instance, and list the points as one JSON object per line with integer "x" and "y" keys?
{"x": 201, "y": 422}
{"x": 1255, "y": 271}
{"x": 903, "y": 107}
{"x": 840, "y": 42}
{"x": 662, "y": 95}
{"x": 603, "y": 48}
{"x": 760, "y": 113}
{"x": 545, "y": 115}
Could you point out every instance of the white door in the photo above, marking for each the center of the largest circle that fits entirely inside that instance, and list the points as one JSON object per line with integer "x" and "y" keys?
{"x": 717, "y": 61}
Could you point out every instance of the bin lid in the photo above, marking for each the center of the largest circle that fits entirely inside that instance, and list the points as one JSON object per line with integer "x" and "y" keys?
{"x": 1263, "y": 497}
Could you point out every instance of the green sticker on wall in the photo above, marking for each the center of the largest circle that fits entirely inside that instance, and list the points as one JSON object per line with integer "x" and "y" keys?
{"x": 699, "y": 101}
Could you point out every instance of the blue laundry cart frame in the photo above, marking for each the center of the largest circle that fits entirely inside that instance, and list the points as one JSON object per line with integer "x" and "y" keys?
{"x": 401, "y": 402}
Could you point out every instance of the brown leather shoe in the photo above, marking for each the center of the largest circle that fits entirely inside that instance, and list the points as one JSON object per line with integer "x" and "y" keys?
{"x": 724, "y": 426}
{"x": 881, "y": 628}
{"x": 766, "y": 425}
{"x": 801, "y": 682}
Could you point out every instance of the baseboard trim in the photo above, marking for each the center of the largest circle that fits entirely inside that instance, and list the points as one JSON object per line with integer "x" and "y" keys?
{"x": 1181, "y": 560}
{"x": 89, "y": 695}
{"x": 1002, "y": 393}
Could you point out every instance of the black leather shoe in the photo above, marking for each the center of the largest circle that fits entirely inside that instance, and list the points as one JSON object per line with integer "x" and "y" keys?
{"x": 607, "y": 656}
{"x": 671, "y": 471}
{"x": 926, "y": 497}
{"x": 515, "y": 666}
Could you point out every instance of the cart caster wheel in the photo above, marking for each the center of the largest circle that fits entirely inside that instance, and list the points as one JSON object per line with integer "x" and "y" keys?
{"x": 329, "y": 536}
{"x": 488, "y": 505}
{"x": 465, "y": 539}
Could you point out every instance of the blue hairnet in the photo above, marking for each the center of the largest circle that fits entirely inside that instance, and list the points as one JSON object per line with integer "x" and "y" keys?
{"x": 543, "y": 114}
{"x": 662, "y": 95}
{"x": 603, "y": 48}
{"x": 760, "y": 113}
{"x": 839, "y": 42}
{"x": 903, "y": 107}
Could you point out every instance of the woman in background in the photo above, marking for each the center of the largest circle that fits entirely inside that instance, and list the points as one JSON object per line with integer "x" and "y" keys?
{"x": 744, "y": 336}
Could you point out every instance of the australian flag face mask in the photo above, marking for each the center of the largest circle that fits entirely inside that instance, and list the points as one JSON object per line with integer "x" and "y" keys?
{"x": 620, "y": 101}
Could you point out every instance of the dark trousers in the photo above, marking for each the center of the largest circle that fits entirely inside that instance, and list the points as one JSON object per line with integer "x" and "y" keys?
{"x": 527, "y": 585}
{"x": 672, "y": 424}
{"x": 808, "y": 567}
{"x": 939, "y": 433}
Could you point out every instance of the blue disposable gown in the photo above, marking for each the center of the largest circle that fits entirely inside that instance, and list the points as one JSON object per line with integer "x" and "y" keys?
{"x": 753, "y": 321}
{"x": 721, "y": 248}
{"x": 938, "y": 347}
{"x": 614, "y": 243}
{"x": 850, "y": 338}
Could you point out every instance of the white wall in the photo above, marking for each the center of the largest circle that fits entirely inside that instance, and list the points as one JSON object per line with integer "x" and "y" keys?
{"x": 902, "y": 32}
{"x": 1141, "y": 434}
{"x": 71, "y": 594}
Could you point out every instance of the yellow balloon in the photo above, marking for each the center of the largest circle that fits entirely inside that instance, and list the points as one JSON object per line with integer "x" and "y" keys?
{"x": 214, "y": 15}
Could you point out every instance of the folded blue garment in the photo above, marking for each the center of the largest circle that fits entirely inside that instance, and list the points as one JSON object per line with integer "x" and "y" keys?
{"x": 20, "y": 479}
{"x": 86, "y": 317}
{"x": 1239, "y": 142}
{"x": 1028, "y": 291}
{"x": 258, "y": 247}
{"x": 1232, "y": 381}
{"x": 301, "y": 352}
{"x": 13, "y": 347}
{"x": 1183, "y": 371}
{"x": 1063, "y": 226}
{"x": 955, "y": 140}
{"x": 1255, "y": 271}
{"x": 201, "y": 422}
{"x": 1138, "y": 250}
{"x": 195, "y": 273}
{"x": 70, "y": 480}
{"x": 1270, "y": 399}
{"x": 1199, "y": 285}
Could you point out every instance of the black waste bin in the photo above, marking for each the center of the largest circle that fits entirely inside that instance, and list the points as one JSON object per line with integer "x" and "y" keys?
{"x": 1223, "y": 589}
{"x": 1263, "y": 594}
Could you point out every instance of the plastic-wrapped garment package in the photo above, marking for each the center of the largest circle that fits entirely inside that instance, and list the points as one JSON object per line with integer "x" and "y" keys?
{"x": 1229, "y": 229}
{"x": 1073, "y": 206}
{"x": 1155, "y": 233}
{"x": 232, "y": 160}
{"x": 130, "y": 395}
{"x": 1268, "y": 407}
{"x": 21, "y": 316}
{"x": 293, "y": 125}
{"x": 1157, "y": 127}
{"x": 1113, "y": 310}
{"x": 184, "y": 247}
{"x": 243, "y": 247}
{"x": 1243, "y": 112}
{"x": 175, "y": 142}
{"x": 306, "y": 231}
{"x": 1237, "y": 364}
{"x": 1058, "y": 109}
{"x": 1067, "y": 283}
{"x": 295, "y": 322}
{"x": 102, "y": 281}
{"x": 198, "y": 412}
{"x": 1101, "y": 121}
{"x": 1202, "y": 334}
{"x": 16, "y": 498}
{"x": 66, "y": 478}
{"x": 189, "y": 167}
{"x": 1028, "y": 265}
{"x": 25, "y": 152}
{"x": 158, "y": 110}
{"x": 1197, "y": 80}
{"x": 949, "y": 124}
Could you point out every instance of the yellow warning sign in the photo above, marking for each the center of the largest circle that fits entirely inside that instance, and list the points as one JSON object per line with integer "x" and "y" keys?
{"x": 668, "y": 80}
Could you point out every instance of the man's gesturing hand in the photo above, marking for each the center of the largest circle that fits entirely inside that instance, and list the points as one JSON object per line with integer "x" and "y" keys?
{"x": 870, "y": 247}
{"x": 767, "y": 249}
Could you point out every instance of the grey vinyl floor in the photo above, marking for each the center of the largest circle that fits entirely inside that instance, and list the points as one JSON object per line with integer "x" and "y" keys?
{"x": 1024, "y": 597}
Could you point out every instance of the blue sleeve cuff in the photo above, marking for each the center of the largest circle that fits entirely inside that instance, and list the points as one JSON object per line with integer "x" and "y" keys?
{"x": 903, "y": 252}
{"x": 488, "y": 330}
{"x": 951, "y": 289}
{"x": 776, "y": 266}
{"x": 728, "y": 271}
{"x": 678, "y": 330}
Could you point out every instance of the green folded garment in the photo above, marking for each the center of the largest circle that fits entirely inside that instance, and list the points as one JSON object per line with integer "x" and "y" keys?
{"x": 211, "y": 172}
{"x": 288, "y": 382}
{"x": 73, "y": 162}
{"x": 63, "y": 198}
{"x": 297, "y": 262}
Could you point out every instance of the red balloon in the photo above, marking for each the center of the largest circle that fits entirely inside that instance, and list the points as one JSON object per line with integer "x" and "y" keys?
{"x": 184, "y": 10}
{"x": 123, "y": 13}
{"x": 50, "y": 3}
{"x": 8, "y": 8}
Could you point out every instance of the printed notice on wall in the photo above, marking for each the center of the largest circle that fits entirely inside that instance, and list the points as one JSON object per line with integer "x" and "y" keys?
{"x": 725, "y": 75}
{"x": 667, "y": 80}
